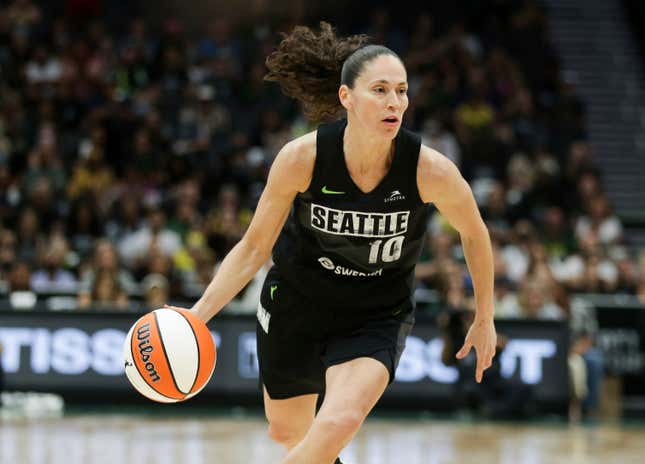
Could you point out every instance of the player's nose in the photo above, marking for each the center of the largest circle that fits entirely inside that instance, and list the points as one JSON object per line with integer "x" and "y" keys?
{"x": 393, "y": 102}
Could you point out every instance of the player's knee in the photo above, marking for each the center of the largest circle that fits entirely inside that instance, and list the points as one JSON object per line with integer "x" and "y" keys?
{"x": 285, "y": 434}
{"x": 343, "y": 424}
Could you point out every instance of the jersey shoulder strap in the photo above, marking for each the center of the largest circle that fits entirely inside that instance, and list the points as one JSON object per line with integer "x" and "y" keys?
{"x": 328, "y": 150}
{"x": 409, "y": 148}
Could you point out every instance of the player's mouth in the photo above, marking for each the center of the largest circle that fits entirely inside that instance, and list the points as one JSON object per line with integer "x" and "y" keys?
{"x": 391, "y": 121}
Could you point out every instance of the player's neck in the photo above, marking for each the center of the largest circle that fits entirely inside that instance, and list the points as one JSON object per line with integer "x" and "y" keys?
{"x": 364, "y": 152}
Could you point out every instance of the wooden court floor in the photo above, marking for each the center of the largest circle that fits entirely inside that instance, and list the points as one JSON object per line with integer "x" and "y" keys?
{"x": 132, "y": 439}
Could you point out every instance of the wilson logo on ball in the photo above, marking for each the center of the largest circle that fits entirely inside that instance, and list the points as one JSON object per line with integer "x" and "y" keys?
{"x": 145, "y": 349}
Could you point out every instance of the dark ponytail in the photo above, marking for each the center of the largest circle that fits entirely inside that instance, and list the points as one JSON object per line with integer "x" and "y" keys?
{"x": 308, "y": 65}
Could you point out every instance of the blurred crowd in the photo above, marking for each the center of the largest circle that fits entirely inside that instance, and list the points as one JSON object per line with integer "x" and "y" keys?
{"x": 131, "y": 160}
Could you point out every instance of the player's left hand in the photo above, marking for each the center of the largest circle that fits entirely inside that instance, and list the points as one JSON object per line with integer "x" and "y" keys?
{"x": 483, "y": 338}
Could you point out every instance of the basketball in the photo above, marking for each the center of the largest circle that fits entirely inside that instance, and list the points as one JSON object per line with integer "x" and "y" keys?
{"x": 169, "y": 355}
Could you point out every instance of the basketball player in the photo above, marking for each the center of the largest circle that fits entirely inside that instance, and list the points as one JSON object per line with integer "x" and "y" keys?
{"x": 338, "y": 304}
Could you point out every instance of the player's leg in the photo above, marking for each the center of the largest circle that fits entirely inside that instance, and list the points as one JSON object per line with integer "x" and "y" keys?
{"x": 291, "y": 371}
{"x": 289, "y": 419}
{"x": 352, "y": 390}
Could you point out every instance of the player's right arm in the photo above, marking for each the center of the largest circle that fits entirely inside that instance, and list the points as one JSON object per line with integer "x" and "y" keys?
{"x": 290, "y": 173}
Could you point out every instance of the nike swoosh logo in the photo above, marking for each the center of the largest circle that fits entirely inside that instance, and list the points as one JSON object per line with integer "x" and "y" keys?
{"x": 331, "y": 192}
{"x": 273, "y": 289}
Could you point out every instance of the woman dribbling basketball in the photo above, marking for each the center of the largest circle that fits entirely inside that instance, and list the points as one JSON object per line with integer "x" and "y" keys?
{"x": 338, "y": 304}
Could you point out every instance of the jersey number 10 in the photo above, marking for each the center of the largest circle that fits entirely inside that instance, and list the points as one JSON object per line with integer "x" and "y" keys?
{"x": 390, "y": 252}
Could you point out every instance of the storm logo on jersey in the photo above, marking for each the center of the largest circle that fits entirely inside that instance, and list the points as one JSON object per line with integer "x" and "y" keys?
{"x": 358, "y": 223}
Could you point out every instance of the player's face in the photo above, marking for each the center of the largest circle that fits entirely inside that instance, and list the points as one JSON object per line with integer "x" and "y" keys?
{"x": 379, "y": 97}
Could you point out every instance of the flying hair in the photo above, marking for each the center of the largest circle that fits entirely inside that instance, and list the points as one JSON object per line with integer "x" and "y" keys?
{"x": 310, "y": 66}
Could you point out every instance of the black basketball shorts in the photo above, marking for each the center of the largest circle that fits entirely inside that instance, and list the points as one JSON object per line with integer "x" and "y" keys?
{"x": 298, "y": 339}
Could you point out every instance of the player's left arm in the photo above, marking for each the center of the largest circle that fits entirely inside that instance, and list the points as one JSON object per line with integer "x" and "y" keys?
{"x": 441, "y": 183}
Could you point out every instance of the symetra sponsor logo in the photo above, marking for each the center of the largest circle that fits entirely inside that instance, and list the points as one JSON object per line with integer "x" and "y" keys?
{"x": 341, "y": 270}
{"x": 358, "y": 223}
{"x": 394, "y": 196}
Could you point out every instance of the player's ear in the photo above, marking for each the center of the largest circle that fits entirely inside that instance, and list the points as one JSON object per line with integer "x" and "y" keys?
{"x": 345, "y": 96}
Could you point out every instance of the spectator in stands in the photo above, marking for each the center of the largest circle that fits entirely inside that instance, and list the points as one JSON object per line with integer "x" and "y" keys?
{"x": 516, "y": 252}
{"x": 227, "y": 221}
{"x": 626, "y": 267}
{"x": 142, "y": 169}
{"x": 498, "y": 261}
{"x": 588, "y": 186}
{"x": 43, "y": 200}
{"x": 139, "y": 37}
{"x": 9, "y": 187}
{"x": 103, "y": 57}
{"x": 21, "y": 295}
{"x": 422, "y": 46}
{"x": 134, "y": 247}
{"x": 185, "y": 218}
{"x": 380, "y": 27}
{"x": 84, "y": 225}
{"x": 599, "y": 220}
{"x": 505, "y": 298}
{"x": 188, "y": 258}
{"x": 546, "y": 191}
{"x": 535, "y": 301}
{"x": 585, "y": 359}
{"x": 274, "y": 131}
{"x": 506, "y": 78}
{"x": 587, "y": 269}
{"x": 23, "y": 16}
{"x": 52, "y": 276}
{"x": 125, "y": 217}
{"x": 521, "y": 174}
{"x": 44, "y": 162}
{"x": 105, "y": 294}
{"x": 539, "y": 269}
{"x": 640, "y": 286}
{"x": 7, "y": 254}
{"x": 435, "y": 135}
{"x": 600, "y": 273}
{"x": 438, "y": 256}
{"x": 495, "y": 212}
{"x": 43, "y": 68}
{"x": 30, "y": 237}
{"x": 131, "y": 72}
{"x": 20, "y": 277}
{"x": 556, "y": 234}
{"x": 474, "y": 123}
{"x": 105, "y": 261}
{"x": 640, "y": 291}
{"x": 527, "y": 130}
{"x": 158, "y": 263}
{"x": 578, "y": 164}
{"x": 91, "y": 172}
{"x": 451, "y": 287}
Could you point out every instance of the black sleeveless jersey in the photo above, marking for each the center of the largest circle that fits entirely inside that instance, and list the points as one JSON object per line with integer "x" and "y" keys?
{"x": 348, "y": 249}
